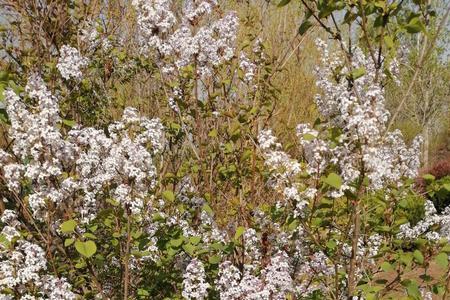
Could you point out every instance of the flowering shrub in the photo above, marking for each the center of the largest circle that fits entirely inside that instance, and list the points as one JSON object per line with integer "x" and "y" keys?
{"x": 131, "y": 208}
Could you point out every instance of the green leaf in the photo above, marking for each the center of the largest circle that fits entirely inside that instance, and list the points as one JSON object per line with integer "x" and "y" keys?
{"x": 403, "y": 203}
{"x": 172, "y": 251}
{"x": 333, "y": 180}
{"x": 157, "y": 217}
{"x": 442, "y": 260}
{"x": 413, "y": 289}
{"x": 176, "y": 242}
{"x": 316, "y": 222}
{"x": 446, "y": 248}
{"x": 112, "y": 201}
{"x": 2, "y": 90}
{"x": 4, "y": 75}
{"x": 168, "y": 196}
{"x": 208, "y": 209}
{"x": 214, "y": 260}
{"x": 380, "y": 4}
{"x": 136, "y": 234}
{"x": 309, "y": 137}
{"x": 293, "y": 225}
{"x": 426, "y": 277}
{"x": 80, "y": 265}
{"x": 418, "y": 256}
{"x": 4, "y": 241}
{"x": 175, "y": 126}
{"x": 406, "y": 258}
{"x": 326, "y": 203}
{"x": 239, "y": 231}
{"x": 283, "y": 3}
{"x": 349, "y": 17}
{"x": 384, "y": 228}
{"x": 386, "y": 267}
{"x": 415, "y": 26}
{"x": 68, "y": 226}
{"x": 331, "y": 244}
{"x": 86, "y": 249}
{"x": 357, "y": 73}
{"x": 89, "y": 235}
{"x": 69, "y": 123}
{"x": 217, "y": 246}
{"x": 142, "y": 292}
{"x": 189, "y": 249}
{"x": 228, "y": 148}
{"x": 326, "y": 8}
{"x": 213, "y": 133}
{"x": 195, "y": 240}
{"x": 438, "y": 289}
{"x": 428, "y": 177}
{"x": 304, "y": 27}
{"x": 68, "y": 242}
{"x": 389, "y": 41}
{"x": 3, "y": 116}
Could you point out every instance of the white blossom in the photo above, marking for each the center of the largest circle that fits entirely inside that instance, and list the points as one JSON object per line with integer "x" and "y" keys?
{"x": 70, "y": 63}
{"x": 195, "y": 285}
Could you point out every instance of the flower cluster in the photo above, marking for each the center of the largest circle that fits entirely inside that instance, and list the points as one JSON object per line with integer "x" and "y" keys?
{"x": 353, "y": 133}
{"x": 70, "y": 63}
{"x": 194, "y": 281}
{"x": 427, "y": 227}
{"x": 23, "y": 268}
{"x": 74, "y": 170}
{"x": 285, "y": 168}
{"x": 37, "y": 139}
{"x": 123, "y": 160}
{"x": 248, "y": 67}
{"x": 178, "y": 41}
{"x": 274, "y": 282}
{"x": 359, "y": 116}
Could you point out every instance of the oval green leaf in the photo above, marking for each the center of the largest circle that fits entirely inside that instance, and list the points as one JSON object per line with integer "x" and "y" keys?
{"x": 87, "y": 249}
{"x": 68, "y": 226}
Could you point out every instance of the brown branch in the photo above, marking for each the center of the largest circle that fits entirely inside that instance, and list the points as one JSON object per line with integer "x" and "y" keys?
{"x": 126, "y": 277}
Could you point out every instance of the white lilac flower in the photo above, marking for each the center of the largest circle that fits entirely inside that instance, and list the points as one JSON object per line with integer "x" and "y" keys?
{"x": 358, "y": 117}
{"x": 195, "y": 285}
{"x": 274, "y": 281}
{"x": 361, "y": 115}
{"x": 178, "y": 42}
{"x": 193, "y": 10}
{"x": 228, "y": 282}
{"x": 277, "y": 276}
{"x": 154, "y": 18}
{"x": 100, "y": 160}
{"x": 247, "y": 67}
{"x": 284, "y": 168}
{"x": 426, "y": 295}
{"x": 426, "y": 226}
{"x": 70, "y": 63}
{"x": 25, "y": 269}
{"x": 252, "y": 245}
